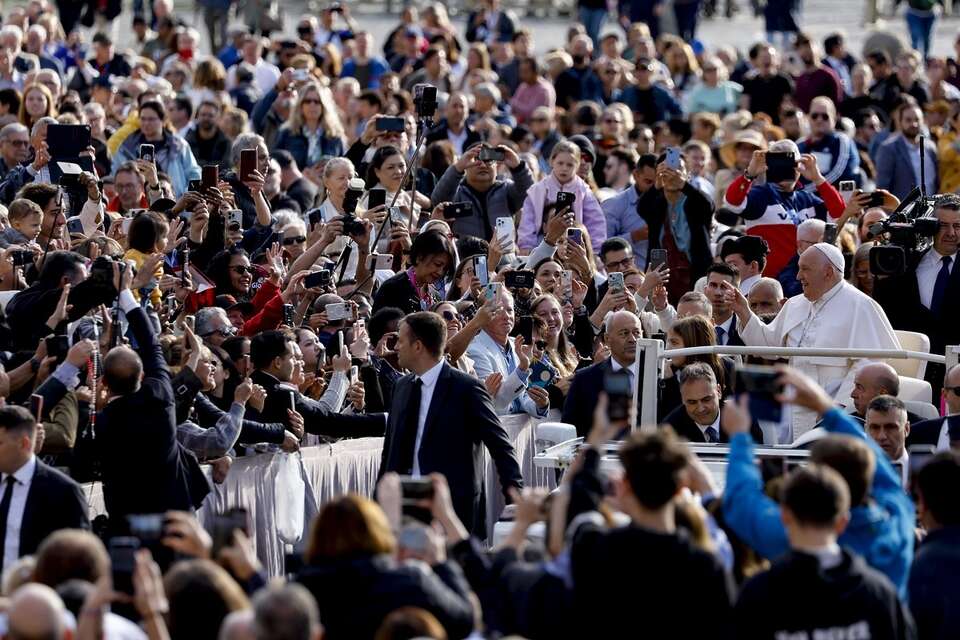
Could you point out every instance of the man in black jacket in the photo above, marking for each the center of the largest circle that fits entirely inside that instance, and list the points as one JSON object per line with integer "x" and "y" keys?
{"x": 454, "y": 128}
{"x": 37, "y": 499}
{"x": 273, "y": 357}
{"x": 934, "y": 585}
{"x": 439, "y": 421}
{"x": 206, "y": 140}
{"x": 698, "y": 418}
{"x": 145, "y": 470}
{"x": 29, "y": 311}
{"x": 842, "y": 597}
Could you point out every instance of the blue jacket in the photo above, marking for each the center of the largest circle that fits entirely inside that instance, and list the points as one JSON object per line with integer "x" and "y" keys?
{"x": 296, "y": 143}
{"x": 175, "y": 159}
{"x": 881, "y": 530}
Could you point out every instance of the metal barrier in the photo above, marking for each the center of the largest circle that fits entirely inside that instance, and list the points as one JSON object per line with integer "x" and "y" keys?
{"x": 653, "y": 353}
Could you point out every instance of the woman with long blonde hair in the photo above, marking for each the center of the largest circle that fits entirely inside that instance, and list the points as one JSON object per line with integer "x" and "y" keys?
{"x": 313, "y": 129}
{"x": 37, "y": 103}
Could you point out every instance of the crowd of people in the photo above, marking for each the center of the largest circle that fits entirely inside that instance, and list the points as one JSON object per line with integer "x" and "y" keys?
{"x": 299, "y": 237}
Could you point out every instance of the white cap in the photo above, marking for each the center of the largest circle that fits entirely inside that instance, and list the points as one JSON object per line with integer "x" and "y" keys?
{"x": 833, "y": 254}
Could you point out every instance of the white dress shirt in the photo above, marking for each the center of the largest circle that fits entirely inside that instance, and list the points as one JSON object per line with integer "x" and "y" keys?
{"x": 927, "y": 270}
{"x": 943, "y": 440}
{"x": 429, "y": 380}
{"x": 904, "y": 463}
{"x": 18, "y": 503}
{"x": 703, "y": 428}
{"x": 747, "y": 283}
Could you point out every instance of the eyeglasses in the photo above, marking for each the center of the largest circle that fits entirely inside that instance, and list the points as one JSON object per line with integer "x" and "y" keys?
{"x": 709, "y": 69}
{"x": 626, "y": 262}
{"x": 294, "y": 240}
{"x": 819, "y": 115}
{"x": 242, "y": 269}
{"x": 450, "y": 315}
{"x": 224, "y": 332}
{"x": 311, "y": 101}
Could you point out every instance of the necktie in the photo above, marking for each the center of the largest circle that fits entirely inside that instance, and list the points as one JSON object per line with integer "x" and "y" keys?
{"x": 712, "y": 435}
{"x": 408, "y": 440}
{"x": 940, "y": 286}
{"x": 4, "y": 512}
{"x": 720, "y": 333}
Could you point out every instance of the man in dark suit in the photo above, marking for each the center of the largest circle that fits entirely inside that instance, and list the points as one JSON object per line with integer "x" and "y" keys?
{"x": 941, "y": 432}
{"x": 724, "y": 322}
{"x": 621, "y": 334}
{"x": 274, "y": 354}
{"x": 36, "y": 499}
{"x": 439, "y": 419}
{"x": 926, "y": 298}
{"x": 698, "y": 418}
{"x": 453, "y": 128}
{"x": 145, "y": 470}
{"x": 872, "y": 380}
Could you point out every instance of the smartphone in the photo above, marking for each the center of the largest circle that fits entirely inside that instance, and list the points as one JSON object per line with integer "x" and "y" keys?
{"x": 122, "y": 551}
{"x": 315, "y": 216}
{"x": 541, "y": 375}
{"x": 75, "y": 226}
{"x": 566, "y": 285}
{"x": 615, "y": 282}
{"x": 354, "y": 374}
{"x": 57, "y": 347}
{"x": 209, "y": 176}
{"x": 234, "y": 220}
{"x": 339, "y": 342}
{"x": 397, "y": 216}
{"x": 317, "y": 279}
{"x": 761, "y": 386}
{"x": 36, "y": 406}
{"x": 147, "y": 152}
{"x": 292, "y": 399}
{"x": 575, "y": 236}
{"x": 391, "y": 124}
{"x": 194, "y": 185}
{"x": 190, "y": 322}
{"x": 288, "y": 318}
{"x": 376, "y": 198}
{"x": 830, "y": 233}
{"x": 480, "y": 269}
{"x": 184, "y": 266}
{"x": 781, "y": 166}
{"x": 339, "y": 311}
{"x": 301, "y": 75}
{"x": 391, "y": 342}
{"x": 248, "y": 163}
{"x": 524, "y": 329}
{"x": 224, "y": 525}
{"x": 617, "y": 386}
{"x": 657, "y": 257}
{"x": 489, "y": 154}
{"x": 458, "y": 210}
{"x": 146, "y": 527}
{"x": 673, "y": 159}
{"x": 846, "y": 189}
{"x": 520, "y": 279}
{"x": 565, "y": 199}
{"x": 380, "y": 262}
{"x": 876, "y": 199}
{"x": 415, "y": 491}
{"x": 22, "y": 257}
{"x": 125, "y": 225}
{"x": 490, "y": 291}
{"x": 505, "y": 233}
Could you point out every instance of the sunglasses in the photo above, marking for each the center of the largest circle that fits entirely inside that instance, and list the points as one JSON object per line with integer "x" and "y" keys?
{"x": 225, "y": 332}
{"x": 311, "y": 101}
{"x": 241, "y": 269}
{"x": 450, "y": 315}
{"x": 819, "y": 116}
{"x": 294, "y": 240}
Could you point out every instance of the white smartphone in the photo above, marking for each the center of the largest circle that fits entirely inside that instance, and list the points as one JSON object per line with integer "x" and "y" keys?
{"x": 505, "y": 234}
{"x": 380, "y": 262}
{"x": 235, "y": 220}
{"x": 615, "y": 282}
{"x": 847, "y": 187}
{"x": 354, "y": 374}
{"x": 339, "y": 311}
{"x": 566, "y": 285}
{"x": 480, "y": 269}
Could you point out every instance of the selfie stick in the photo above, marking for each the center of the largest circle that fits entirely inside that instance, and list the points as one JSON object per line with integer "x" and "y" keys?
{"x": 923, "y": 173}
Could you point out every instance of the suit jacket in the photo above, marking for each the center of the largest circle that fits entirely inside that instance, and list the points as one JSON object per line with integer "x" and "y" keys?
{"x": 460, "y": 419}
{"x": 734, "y": 339}
{"x": 900, "y": 298}
{"x": 928, "y": 431}
{"x": 686, "y": 428}
{"x": 144, "y": 470}
{"x": 54, "y": 502}
{"x": 317, "y": 419}
{"x": 488, "y": 357}
{"x": 584, "y": 391}
{"x": 895, "y": 166}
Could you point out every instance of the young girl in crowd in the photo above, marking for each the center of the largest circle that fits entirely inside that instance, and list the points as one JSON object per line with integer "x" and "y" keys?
{"x": 564, "y": 162}
{"x": 147, "y": 235}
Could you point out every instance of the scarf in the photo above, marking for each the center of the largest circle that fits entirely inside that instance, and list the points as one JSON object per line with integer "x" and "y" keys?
{"x": 679, "y": 226}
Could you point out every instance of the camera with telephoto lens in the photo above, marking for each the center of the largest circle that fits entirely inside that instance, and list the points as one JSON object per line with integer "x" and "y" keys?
{"x": 905, "y": 231}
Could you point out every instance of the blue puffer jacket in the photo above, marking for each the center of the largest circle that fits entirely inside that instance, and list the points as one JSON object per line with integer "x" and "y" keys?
{"x": 881, "y": 531}
{"x": 174, "y": 159}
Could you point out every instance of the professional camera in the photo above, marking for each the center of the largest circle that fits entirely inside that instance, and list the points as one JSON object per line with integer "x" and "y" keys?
{"x": 352, "y": 226}
{"x": 906, "y": 231}
{"x": 97, "y": 289}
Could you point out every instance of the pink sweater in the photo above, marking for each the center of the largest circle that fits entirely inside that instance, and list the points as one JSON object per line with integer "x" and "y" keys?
{"x": 528, "y": 97}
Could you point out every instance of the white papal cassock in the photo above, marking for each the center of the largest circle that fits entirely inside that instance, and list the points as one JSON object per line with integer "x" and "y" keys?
{"x": 843, "y": 318}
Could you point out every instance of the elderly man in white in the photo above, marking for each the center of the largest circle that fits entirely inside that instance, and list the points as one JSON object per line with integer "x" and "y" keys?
{"x": 831, "y": 314}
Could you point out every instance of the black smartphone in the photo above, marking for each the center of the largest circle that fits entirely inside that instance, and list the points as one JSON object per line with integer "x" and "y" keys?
{"x": 524, "y": 329}
{"x": 458, "y": 210}
{"x": 616, "y": 384}
{"x": 184, "y": 266}
{"x": 413, "y": 492}
{"x": 317, "y": 279}
{"x": 288, "y": 310}
{"x": 376, "y": 197}
{"x": 36, "y": 407}
{"x": 195, "y": 185}
{"x": 489, "y": 154}
{"x": 781, "y": 166}
{"x": 391, "y": 124}
{"x": 147, "y": 527}
{"x": 876, "y": 199}
{"x": 520, "y": 279}
{"x": 75, "y": 226}
{"x": 391, "y": 342}
{"x": 209, "y": 176}
{"x": 575, "y": 235}
{"x": 147, "y": 152}
{"x": 760, "y": 384}
{"x": 657, "y": 258}
{"x": 225, "y": 524}
{"x": 339, "y": 343}
{"x": 248, "y": 163}
{"x": 123, "y": 551}
{"x": 830, "y": 233}
{"x": 57, "y": 347}
{"x": 22, "y": 258}
{"x": 315, "y": 216}
{"x": 565, "y": 199}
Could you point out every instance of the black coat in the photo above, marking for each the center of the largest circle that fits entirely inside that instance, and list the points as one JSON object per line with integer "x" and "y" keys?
{"x": 849, "y": 600}
{"x": 439, "y": 134}
{"x": 934, "y": 585}
{"x": 54, "y": 502}
{"x": 653, "y": 207}
{"x": 397, "y": 292}
{"x": 27, "y": 314}
{"x": 356, "y": 594}
{"x": 687, "y": 429}
{"x": 460, "y": 422}
{"x": 584, "y": 391}
{"x": 928, "y": 431}
{"x": 144, "y": 469}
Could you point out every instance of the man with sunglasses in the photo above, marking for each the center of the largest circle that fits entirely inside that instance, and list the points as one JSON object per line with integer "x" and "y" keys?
{"x": 836, "y": 154}
{"x": 14, "y": 147}
{"x": 942, "y": 433}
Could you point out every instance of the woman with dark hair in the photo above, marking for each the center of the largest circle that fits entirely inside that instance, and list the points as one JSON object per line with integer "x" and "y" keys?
{"x": 692, "y": 331}
{"x": 432, "y": 260}
{"x": 171, "y": 153}
{"x": 201, "y": 594}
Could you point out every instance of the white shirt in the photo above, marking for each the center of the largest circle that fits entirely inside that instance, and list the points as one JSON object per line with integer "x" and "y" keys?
{"x": 747, "y": 284}
{"x": 703, "y": 428}
{"x": 265, "y": 75}
{"x": 18, "y": 503}
{"x": 457, "y": 139}
{"x": 727, "y": 327}
{"x": 904, "y": 463}
{"x": 927, "y": 270}
{"x": 429, "y": 380}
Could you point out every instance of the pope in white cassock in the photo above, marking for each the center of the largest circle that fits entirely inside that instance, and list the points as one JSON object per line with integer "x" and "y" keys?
{"x": 831, "y": 314}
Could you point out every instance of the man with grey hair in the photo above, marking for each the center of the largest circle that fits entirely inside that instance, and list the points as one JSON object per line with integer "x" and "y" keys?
{"x": 486, "y": 101}
{"x": 239, "y": 625}
{"x": 36, "y": 168}
{"x": 773, "y": 209}
{"x": 252, "y": 210}
{"x": 286, "y": 612}
{"x": 694, "y": 303}
{"x": 809, "y": 232}
{"x": 213, "y": 326}
{"x": 888, "y": 425}
{"x": 766, "y": 298}
{"x": 698, "y": 418}
{"x": 831, "y": 314}
{"x": 14, "y": 147}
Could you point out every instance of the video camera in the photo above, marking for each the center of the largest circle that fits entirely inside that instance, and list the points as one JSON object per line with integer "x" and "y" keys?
{"x": 906, "y": 229}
